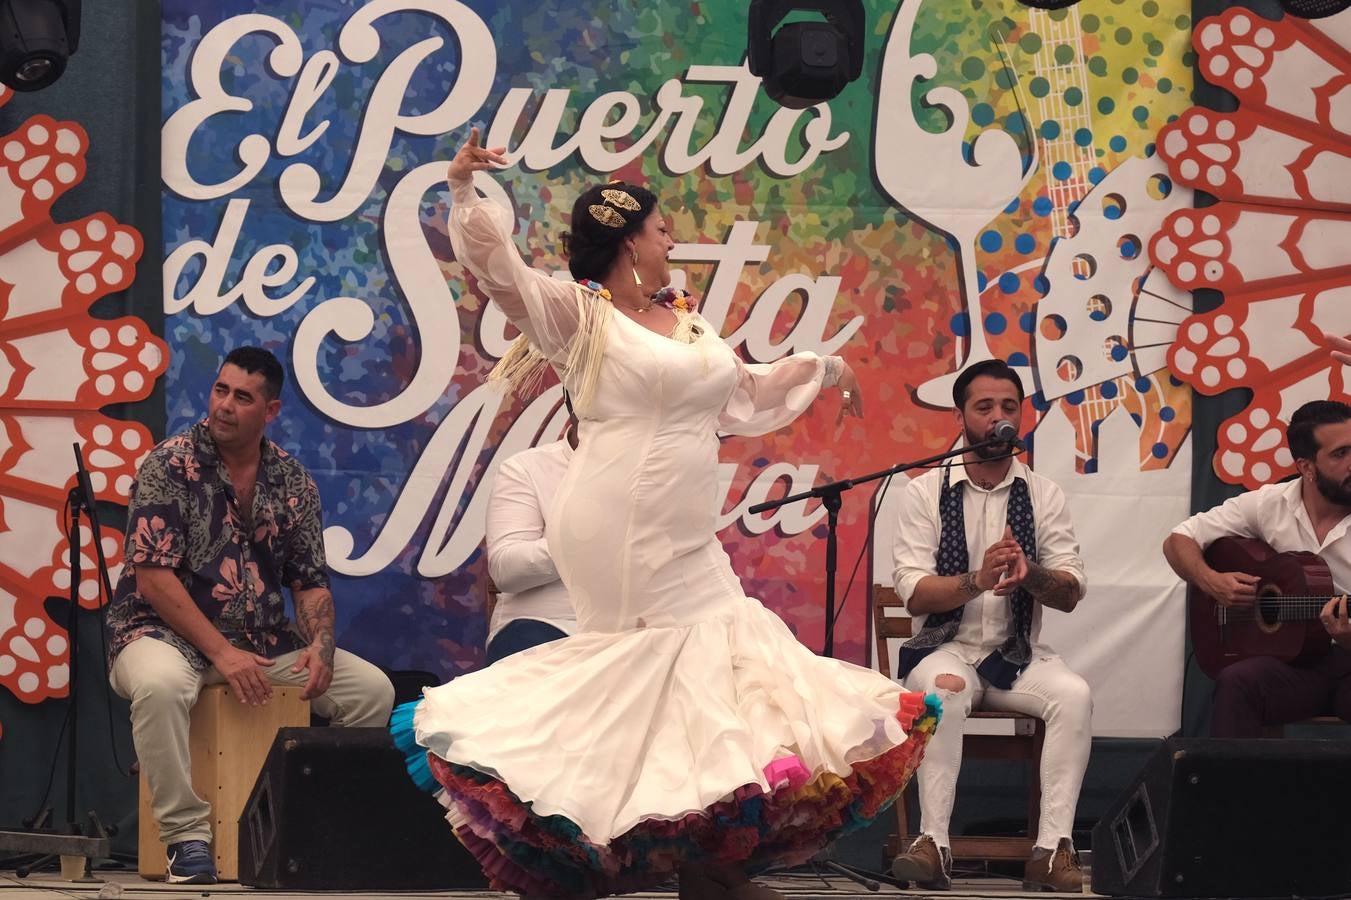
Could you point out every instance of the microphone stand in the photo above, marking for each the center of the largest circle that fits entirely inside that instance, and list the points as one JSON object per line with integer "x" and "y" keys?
{"x": 830, "y": 496}
{"x": 74, "y": 847}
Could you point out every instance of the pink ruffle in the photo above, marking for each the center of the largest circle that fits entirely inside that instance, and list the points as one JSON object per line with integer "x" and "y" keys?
{"x": 544, "y": 857}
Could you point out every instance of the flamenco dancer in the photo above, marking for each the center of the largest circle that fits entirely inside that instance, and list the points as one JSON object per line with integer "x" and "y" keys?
{"x": 683, "y": 729}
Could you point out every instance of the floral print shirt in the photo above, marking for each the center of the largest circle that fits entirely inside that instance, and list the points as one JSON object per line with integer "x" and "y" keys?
{"x": 184, "y": 516}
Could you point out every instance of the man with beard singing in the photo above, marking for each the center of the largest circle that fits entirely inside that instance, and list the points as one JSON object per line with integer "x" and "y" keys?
{"x": 981, "y": 546}
{"x": 1310, "y": 513}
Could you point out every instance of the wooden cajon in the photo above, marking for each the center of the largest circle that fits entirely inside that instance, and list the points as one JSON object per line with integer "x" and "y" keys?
{"x": 228, "y": 742}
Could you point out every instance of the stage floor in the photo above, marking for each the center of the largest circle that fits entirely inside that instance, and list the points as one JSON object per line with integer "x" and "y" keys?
{"x": 795, "y": 886}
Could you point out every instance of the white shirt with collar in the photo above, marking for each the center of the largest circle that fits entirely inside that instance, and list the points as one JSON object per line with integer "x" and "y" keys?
{"x": 986, "y": 617}
{"x": 518, "y": 557}
{"x": 1274, "y": 514}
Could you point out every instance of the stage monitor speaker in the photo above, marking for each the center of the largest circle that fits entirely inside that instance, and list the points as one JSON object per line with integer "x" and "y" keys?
{"x": 408, "y": 683}
{"x": 334, "y": 809}
{"x": 1230, "y": 818}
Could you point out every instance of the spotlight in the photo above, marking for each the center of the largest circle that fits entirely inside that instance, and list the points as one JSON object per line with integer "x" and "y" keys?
{"x": 803, "y": 63}
{"x": 1314, "y": 9}
{"x": 36, "y": 39}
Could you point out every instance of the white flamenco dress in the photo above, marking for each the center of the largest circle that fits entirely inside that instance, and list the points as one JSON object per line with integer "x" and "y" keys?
{"x": 684, "y": 722}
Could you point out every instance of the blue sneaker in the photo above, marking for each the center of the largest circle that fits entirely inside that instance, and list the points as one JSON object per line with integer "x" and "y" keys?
{"x": 191, "y": 862}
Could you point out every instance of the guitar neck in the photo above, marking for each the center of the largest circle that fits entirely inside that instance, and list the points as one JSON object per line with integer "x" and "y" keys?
{"x": 1280, "y": 608}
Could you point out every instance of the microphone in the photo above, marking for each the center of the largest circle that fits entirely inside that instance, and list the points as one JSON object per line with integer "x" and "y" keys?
{"x": 85, "y": 487}
{"x": 1005, "y": 432}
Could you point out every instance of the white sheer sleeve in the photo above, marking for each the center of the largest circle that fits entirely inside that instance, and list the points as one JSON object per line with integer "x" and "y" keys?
{"x": 548, "y": 312}
{"x": 769, "y": 396}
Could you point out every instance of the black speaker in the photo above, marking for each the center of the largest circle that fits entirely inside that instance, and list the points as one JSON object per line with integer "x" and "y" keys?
{"x": 1230, "y": 818}
{"x": 408, "y": 683}
{"x": 334, "y": 809}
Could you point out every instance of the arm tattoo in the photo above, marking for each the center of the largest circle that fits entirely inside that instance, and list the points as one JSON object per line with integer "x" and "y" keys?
{"x": 314, "y": 616}
{"x": 1053, "y": 589}
{"x": 966, "y": 584}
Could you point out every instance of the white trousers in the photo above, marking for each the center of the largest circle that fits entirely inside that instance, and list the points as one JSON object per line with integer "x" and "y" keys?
{"x": 162, "y": 687}
{"x": 1047, "y": 689}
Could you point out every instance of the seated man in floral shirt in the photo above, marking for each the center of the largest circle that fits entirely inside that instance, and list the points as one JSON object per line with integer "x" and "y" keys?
{"x": 221, "y": 521}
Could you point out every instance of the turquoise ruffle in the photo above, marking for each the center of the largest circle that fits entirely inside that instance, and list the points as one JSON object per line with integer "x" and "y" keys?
{"x": 414, "y": 755}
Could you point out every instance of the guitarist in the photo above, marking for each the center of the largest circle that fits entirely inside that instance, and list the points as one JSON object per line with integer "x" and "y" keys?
{"x": 1310, "y": 513}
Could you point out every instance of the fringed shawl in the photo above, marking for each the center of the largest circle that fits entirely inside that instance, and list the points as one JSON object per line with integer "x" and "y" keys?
{"x": 523, "y": 365}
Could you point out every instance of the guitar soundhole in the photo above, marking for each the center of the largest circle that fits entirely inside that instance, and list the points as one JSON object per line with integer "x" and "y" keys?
{"x": 1269, "y": 610}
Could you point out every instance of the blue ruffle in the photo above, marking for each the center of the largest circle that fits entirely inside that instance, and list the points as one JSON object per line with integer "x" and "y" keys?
{"x": 414, "y": 755}
{"x": 934, "y": 705}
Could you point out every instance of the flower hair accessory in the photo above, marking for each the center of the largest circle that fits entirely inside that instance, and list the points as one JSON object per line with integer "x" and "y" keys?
{"x": 621, "y": 199}
{"x": 606, "y": 216}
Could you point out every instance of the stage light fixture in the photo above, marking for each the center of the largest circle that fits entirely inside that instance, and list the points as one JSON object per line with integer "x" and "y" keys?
{"x": 1314, "y": 9}
{"x": 804, "y": 63}
{"x": 37, "y": 37}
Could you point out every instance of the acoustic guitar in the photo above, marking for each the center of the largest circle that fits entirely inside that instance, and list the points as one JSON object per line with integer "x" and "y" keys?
{"x": 1283, "y": 621}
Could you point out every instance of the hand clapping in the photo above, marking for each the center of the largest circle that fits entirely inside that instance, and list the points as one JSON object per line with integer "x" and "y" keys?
{"x": 1009, "y": 564}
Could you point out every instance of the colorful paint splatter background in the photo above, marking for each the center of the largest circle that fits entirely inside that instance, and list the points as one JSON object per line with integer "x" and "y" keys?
{"x": 1081, "y": 91}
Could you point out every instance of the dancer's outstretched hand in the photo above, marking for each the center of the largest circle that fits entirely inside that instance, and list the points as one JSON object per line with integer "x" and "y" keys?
{"x": 472, "y": 158}
{"x": 1341, "y": 348}
{"x": 851, "y": 395}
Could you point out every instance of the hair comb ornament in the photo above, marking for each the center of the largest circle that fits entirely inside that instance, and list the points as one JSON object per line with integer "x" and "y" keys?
{"x": 622, "y": 199}
{"x": 606, "y": 216}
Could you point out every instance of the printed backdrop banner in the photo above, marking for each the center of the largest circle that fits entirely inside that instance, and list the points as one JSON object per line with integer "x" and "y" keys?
{"x": 986, "y": 189}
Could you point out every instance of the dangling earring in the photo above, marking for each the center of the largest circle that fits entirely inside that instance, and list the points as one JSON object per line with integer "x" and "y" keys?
{"x": 636, "y": 280}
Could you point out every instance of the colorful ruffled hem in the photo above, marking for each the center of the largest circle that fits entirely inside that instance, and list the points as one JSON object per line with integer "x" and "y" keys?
{"x": 548, "y": 856}
{"x": 414, "y": 756}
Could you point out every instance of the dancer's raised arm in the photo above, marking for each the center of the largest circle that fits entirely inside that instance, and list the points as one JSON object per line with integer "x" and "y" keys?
{"x": 770, "y": 395}
{"x": 546, "y": 310}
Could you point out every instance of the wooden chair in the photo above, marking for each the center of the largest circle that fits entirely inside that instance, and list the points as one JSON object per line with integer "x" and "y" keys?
{"x": 1278, "y": 731}
{"x": 1023, "y": 744}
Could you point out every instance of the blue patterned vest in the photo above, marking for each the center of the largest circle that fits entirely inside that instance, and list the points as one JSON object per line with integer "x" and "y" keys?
{"x": 1005, "y": 664}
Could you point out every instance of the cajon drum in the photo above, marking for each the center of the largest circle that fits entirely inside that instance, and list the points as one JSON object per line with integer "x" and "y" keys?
{"x": 228, "y": 742}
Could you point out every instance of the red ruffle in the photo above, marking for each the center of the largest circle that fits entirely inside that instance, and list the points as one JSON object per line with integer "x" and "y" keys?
{"x": 549, "y": 856}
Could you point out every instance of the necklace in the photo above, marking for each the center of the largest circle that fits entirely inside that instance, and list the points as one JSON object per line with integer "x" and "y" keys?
{"x": 669, "y": 297}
